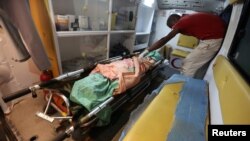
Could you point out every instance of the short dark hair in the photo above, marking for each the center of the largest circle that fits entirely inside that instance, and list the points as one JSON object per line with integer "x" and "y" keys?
{"x": 172, "y": 18}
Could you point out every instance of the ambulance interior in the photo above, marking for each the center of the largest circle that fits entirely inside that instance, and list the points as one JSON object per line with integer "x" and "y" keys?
{"x": 151, "y": 100}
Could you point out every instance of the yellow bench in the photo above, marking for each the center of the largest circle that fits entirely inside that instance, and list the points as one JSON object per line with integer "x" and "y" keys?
{"x": 234, "y": 93}
{"x": 187, "y": 41}
{"x": 156, "y": 121}
{"x": 180, "y": 53}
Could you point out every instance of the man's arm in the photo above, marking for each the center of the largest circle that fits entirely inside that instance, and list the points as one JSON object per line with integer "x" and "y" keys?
{"x": 163, "y": 40}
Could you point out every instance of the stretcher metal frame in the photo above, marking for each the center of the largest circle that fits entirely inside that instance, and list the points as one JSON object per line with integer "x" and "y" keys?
{"x": 115, "y": 102}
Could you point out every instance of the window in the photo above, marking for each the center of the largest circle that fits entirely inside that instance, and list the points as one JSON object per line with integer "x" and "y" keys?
{"x": 239, "y": 53}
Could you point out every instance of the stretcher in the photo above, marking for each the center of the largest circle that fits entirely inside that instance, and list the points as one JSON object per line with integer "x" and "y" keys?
{"x": 83, "y": 119}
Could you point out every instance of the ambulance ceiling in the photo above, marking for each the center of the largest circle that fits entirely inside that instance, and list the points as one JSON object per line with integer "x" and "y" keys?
{"x": 196, "y": 5}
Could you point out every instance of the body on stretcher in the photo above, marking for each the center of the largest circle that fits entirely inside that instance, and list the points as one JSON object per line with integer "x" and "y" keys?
{"x": 82, "y": 117}
{"x": 106, "y": 81}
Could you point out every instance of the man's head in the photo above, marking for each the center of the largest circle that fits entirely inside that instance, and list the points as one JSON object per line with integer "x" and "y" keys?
{"x": 172, "y": 20}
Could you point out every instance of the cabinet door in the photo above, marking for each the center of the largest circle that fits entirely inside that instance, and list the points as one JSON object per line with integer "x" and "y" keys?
{"x": 123, "y": 14}
{"x": 145, "y": 17}
{"x": 80, "y": 15}
{"x": 81, "y": 51}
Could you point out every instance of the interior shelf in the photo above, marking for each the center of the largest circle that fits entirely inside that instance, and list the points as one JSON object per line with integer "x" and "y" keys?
{"x": 79, "y": 33}
{"x": 122, "y": 31}
{"x": 142, "y": 33}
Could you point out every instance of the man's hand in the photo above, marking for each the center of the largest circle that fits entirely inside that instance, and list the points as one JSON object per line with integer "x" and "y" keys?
{"x": 144, "y": 53}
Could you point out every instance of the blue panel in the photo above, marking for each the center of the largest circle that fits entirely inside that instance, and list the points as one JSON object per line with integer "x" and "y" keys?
{"x": 191, "y": 112}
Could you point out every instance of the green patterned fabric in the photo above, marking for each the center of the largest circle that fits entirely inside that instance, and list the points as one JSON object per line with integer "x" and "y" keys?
{"x": 155, "y": 55}
{"x": 92, "y": 91}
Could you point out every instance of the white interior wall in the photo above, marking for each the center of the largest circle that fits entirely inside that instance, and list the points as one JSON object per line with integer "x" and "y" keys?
{"x": 216, "y": 117}
{"x": 161, "y": 29}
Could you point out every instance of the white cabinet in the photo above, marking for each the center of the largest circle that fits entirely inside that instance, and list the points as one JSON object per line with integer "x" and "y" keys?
{"x": 86, "y": 31}
{"x": 145, "y": 16}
